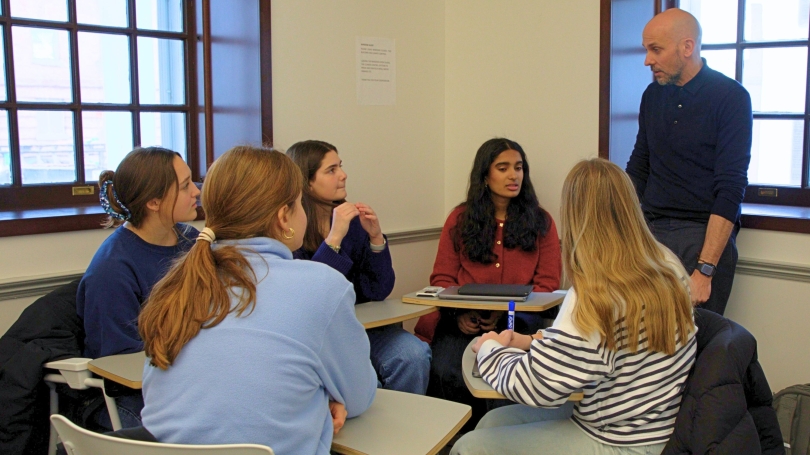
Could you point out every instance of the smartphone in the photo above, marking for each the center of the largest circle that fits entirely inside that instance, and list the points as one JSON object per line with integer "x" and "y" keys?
{"x": 476, "y": 373}
{"x": 430, "y": 291}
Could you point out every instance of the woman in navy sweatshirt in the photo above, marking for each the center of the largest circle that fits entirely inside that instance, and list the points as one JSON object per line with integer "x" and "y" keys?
{"x": 145, "y": 198}
{"x": 347, "y": 237}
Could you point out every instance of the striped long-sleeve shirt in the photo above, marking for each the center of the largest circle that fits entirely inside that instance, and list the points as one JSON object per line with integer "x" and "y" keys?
{"x": 629, "y": 398}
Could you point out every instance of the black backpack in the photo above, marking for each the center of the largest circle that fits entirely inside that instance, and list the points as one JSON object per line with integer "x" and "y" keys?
{"x": 793, "y": 412}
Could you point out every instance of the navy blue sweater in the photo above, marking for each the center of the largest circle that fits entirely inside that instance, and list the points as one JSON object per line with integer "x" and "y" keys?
{"x": 693, "y": 148}
{"x": 115, "y": 285}
{"x": 371, "y": 273}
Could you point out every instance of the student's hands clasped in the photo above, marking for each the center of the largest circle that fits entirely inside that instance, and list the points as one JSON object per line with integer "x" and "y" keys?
{"x": 339, "y": 414}
{"x": 342, "y": 216}
{"x": 471, "y": 322}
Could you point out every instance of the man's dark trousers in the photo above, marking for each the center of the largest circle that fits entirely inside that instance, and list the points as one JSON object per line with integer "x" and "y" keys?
{"x": 685, "y": 238}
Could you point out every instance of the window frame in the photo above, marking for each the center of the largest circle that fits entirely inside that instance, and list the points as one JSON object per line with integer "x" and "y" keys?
{"x": 32, "y": 198}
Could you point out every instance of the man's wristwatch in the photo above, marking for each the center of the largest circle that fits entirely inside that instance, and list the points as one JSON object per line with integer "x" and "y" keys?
{"x": 707, "y": 269}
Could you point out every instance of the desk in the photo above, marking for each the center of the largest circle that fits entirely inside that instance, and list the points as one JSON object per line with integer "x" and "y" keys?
{"x": 390, "y": 311}
{"x": 537, "y": 301}
{"x": 397, "y": 423}
{"x": 477, "y": 386}
{"x": 400, "y": 423}
{"x": 125, "y": 369}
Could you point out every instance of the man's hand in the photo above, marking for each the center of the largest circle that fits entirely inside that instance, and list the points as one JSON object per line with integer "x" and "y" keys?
{"x": 339, "y": 414}
{"x": 700, "y": 288}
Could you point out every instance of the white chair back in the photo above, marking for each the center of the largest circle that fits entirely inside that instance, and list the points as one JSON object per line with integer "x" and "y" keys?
{"x": 78, "y": 441}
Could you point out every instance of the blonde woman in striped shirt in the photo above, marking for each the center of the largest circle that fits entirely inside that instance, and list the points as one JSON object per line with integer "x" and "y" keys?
{"x": 625, "y": 336}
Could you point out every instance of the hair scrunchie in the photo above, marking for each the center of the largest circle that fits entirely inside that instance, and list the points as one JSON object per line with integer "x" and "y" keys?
{"x": 105, "y": 203}
{"x": 208, "y": 235}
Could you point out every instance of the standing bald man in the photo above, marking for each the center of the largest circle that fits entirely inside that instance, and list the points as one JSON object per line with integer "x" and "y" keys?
{"x": 690, "y": 160}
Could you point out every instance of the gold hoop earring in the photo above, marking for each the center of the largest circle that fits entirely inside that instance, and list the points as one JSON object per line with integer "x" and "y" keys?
{"x": 292, "y": 234}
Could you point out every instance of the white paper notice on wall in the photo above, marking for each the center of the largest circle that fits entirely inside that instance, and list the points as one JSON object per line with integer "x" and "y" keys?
{"x": 376, "y": 71}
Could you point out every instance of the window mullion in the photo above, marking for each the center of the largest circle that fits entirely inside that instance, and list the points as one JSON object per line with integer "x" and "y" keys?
{"x": 78, "y": 133}
{"x": 133, "y": 71}
{"x": 11, "y": 95}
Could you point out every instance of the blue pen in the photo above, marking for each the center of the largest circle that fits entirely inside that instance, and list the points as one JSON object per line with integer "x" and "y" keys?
{"x": 510, "y": 319}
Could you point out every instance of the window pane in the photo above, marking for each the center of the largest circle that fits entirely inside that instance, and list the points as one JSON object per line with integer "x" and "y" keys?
{"x": 42, "y": 65}
{"x": 718, "y": 19}
{"x": 46, "y": 147}
{"x": 104, "y": 68}
{"x": 47, "y": 10}
{"x": 3, "y": 94}
{"x": 776, "y": 78}
{"x": 160, "y": 14}
{"x": 110, "y": 13}
{"x": 772, "y": 20}
{"x": 724, "y": 61}
{"x": 776, "y": 154}
{"x": 5, "y": 150}
{"x": 107, "y": 139}
{"x": 161, "y": 71}
{"x": 166, "y": 129}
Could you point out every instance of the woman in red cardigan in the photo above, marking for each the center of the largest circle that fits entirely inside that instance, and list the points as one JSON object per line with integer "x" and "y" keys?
{"x": 500, "y": 234}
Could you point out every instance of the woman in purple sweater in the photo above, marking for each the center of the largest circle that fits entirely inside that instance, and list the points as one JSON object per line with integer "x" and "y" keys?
{"x": 347, "y": 237}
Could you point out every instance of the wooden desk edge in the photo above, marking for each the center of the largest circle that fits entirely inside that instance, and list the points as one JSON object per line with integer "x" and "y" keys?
{"x": 345, "y": 450}
{"x": 394, "y": 320}
{"x": 113, "y": 377}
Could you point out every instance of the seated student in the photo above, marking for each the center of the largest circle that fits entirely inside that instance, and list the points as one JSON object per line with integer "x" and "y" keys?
{"x": 347, "y": 237}
{"x": 247, "y": 345}
{"x": 500, "y": 234}
{"x": 147, "y": 196}
{"x": 625, "y": 335}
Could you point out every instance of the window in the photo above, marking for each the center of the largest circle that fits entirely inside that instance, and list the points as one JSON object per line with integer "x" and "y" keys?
{"x": 84, "y": 82}
{"x": 763, "y": 44}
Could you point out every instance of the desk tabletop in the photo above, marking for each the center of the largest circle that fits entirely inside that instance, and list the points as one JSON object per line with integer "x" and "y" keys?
{"x": 537, "y": 301}
{"x": 125, "y": 369}
{"x": 477, "y": 386}
{"x": 389, "y": 311}
{"x": 400, "y": 423}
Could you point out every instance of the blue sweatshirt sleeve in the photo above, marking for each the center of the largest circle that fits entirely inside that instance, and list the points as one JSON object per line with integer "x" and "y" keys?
{"x": 344, "y": 354}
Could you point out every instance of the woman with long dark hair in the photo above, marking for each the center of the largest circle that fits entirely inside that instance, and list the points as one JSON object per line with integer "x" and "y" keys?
{"x": 347, "y": 237}
{"x": 146, "y": 200}
{"x": 499, "y": 235}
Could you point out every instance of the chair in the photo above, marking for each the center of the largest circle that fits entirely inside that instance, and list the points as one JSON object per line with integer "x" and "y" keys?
{"x": 78, "y": 441}
{"x": 75, "y": 374}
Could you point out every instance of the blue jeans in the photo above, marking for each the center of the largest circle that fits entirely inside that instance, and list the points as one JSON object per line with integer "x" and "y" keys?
{"x": 519, "y": 429}
{"x": 685, "y": 239}
{"x": 401, "y": 360}
{"x": 129, "y": 411}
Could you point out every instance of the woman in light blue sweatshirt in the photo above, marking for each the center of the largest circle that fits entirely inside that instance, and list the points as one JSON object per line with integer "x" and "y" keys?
{"x": 245, "y": 344}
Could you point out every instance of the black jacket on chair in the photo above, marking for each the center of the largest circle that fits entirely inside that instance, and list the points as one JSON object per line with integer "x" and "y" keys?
{"x": 49, "y": 329}
{"x": 727, "y": 404}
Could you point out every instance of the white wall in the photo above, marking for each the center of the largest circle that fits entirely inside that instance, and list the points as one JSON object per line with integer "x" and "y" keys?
{"x": 527, "y": 70}
{"x": 394, "y": 155}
